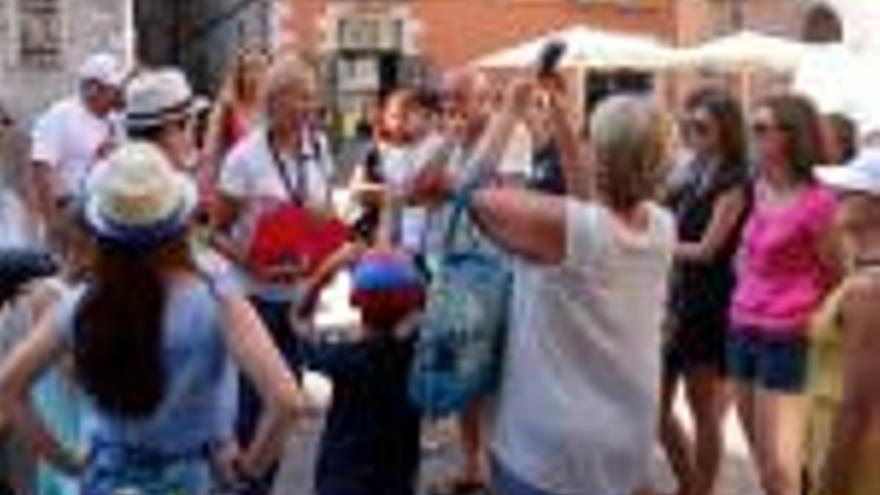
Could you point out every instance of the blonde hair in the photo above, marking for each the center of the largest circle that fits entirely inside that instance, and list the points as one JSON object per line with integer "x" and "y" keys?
{"x": 629, "y": 135}
{"x": 289, "y": 71}
{"x": 244, "y": 59}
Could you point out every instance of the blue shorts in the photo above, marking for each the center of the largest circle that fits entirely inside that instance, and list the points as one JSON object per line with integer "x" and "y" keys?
{"x": 776, "y": 363}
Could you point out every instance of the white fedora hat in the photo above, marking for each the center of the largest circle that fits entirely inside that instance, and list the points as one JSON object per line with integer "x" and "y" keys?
{"x": 136, "y": 198}
{"x": 862, "y": 174}
{"x": 155, "y": 97}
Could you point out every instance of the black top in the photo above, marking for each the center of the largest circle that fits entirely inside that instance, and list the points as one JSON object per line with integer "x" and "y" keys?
{"x": 367, "y": 223}
{"x": 370, "y": 443}
{"x": 547, "y": 173}
{"x": 702, "y": 291}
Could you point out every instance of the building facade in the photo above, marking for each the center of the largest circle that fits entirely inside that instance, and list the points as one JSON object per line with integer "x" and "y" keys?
{"x": 202, "y": 35}
{"x": 368, "y": 45}
{"x": 42, "y": 42}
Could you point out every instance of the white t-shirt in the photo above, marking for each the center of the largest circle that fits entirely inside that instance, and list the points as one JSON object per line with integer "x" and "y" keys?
{"x": 69, "y": 138}
{"x": 400, "y": 165}
{"x": 576, "y": 412}
{"x": 516, "y": 161}
{"x": 251, "y": 175}
{"x": 418, "y": 225}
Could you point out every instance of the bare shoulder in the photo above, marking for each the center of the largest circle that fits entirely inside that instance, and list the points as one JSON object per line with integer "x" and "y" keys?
{"x": 863, "y": 287}
{"x": 860, "y": 308}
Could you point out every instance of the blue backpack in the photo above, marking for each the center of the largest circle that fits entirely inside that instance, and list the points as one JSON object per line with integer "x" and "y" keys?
{"x": 461, "y": 338}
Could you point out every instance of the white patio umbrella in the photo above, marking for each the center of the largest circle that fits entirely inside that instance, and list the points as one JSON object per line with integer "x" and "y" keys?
{"x": 744, "y": 50}
{"x": 585, "y": 48}
{"x": 841, "y": 80}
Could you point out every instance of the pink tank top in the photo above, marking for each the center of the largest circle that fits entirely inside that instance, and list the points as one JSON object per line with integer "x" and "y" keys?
{"x": 781, "y": 279}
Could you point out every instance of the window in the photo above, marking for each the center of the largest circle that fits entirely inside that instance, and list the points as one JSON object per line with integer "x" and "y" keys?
{"x": 370, "y": 33}
{"x": 40, "y": 33}
{"x": 358, "y": 74}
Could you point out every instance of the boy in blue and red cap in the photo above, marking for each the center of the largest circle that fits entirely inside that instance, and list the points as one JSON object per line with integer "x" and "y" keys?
{"x": 370, "y": 443}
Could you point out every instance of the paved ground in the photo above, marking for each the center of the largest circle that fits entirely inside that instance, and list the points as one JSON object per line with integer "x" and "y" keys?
{"x": 737, "y": 476}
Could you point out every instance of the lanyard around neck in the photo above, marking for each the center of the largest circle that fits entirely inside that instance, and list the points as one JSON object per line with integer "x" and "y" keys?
{"x": 296, "y": 194}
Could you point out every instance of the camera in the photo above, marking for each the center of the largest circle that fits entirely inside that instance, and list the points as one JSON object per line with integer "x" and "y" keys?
{"x": 550, "y": 57}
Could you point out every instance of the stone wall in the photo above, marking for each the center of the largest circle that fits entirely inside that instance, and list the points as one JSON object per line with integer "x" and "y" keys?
{"x": 86, "y": 26}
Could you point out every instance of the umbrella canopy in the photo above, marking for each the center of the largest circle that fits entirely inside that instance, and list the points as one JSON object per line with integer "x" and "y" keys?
{"x": 843, "y": 81}
{"x": 586, "y": 48}
{"x": 744, "y": 50}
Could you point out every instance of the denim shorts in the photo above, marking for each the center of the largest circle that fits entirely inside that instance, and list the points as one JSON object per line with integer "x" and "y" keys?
{"x": 777, "y": 363}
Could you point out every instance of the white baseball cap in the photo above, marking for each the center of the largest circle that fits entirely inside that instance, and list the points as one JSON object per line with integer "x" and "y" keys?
{"x": 103, "y": 68}
{"x": 155, "y": 97}
{"x": 862, "y": 174}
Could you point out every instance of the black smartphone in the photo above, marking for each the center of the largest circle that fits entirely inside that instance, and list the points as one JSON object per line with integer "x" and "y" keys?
{"x": 551, "y": 55}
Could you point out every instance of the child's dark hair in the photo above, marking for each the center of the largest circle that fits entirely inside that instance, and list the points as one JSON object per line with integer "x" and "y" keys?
{"x": 20, "y": 266}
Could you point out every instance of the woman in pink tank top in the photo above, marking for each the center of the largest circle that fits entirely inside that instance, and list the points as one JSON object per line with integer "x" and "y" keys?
{"x": 787, "y": 263}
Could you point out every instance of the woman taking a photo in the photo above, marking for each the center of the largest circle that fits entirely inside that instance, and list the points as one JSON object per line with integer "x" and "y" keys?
{"x": 576, "y": 412}
{"x": 154, "y": 345}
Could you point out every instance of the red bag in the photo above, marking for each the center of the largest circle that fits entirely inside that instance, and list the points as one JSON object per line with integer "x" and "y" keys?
{"x": 293, "y": 234}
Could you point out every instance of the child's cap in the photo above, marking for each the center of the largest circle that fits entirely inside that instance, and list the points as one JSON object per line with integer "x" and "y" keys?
{"x": 383, "y": 270}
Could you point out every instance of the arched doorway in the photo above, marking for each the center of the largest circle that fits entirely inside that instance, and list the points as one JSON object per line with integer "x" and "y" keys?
{"x": 822, "y": 24}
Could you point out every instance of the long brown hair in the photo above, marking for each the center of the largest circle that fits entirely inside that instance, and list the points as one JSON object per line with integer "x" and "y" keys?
{"x": 406, "y": 98}
{"x": 118, "y": 327}
{"x": 798, "y": 118}
{"x": 728, "y": 116}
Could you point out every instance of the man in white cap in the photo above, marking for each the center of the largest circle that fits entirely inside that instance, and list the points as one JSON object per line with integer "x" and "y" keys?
{"x": 161, "y": 108}
{"x": 75, "y": 133}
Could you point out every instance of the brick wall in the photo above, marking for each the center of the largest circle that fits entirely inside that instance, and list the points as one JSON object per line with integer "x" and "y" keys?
{"x": 454, "y": 32}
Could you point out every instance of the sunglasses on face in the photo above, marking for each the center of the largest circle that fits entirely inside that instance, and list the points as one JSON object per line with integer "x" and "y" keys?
{"x": 761, "y": 129}
{"x": 697, "y": 127}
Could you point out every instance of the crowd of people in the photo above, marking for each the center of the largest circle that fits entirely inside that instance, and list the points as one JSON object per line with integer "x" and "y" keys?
{"x": 727, "y": 251}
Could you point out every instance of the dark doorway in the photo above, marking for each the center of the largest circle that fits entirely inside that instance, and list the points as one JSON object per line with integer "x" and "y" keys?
{"x": 822, "y": 25}
{"x": 600, "y": 85}
{"x": 389, "y": 72}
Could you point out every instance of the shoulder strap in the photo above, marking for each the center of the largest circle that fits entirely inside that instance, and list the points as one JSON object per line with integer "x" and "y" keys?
{"x": 296, "y": 195}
